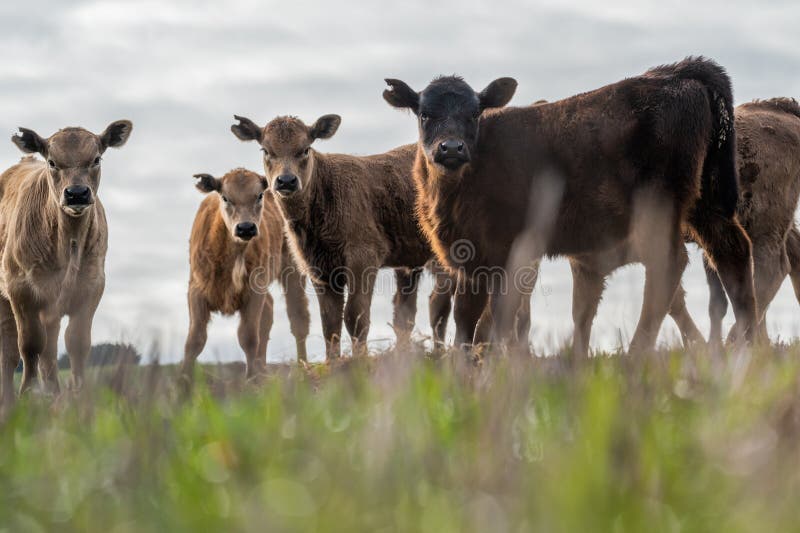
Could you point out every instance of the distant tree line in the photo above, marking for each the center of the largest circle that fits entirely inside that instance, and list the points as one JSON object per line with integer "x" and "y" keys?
{"x": 106, "y": 354}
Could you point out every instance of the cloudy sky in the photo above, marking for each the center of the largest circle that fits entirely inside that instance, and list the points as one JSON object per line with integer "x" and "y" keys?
{"x": 180, "y": 69}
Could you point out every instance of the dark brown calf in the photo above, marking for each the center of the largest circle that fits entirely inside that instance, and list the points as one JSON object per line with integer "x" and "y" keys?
{"x": 639, "y": 163}
{"x": 346, "y": 217}
{"x": 768, "y": 146}
{"x": 236, "y": 250}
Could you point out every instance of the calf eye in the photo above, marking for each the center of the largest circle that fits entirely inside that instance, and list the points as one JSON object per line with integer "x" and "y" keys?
{"x": 96, "y": 161}
{"x": 225, "y": 199}
{"x": 51, "y": 163}
{"x": 301, "y": 153}
{"x": 423, "y": 117}
{"x": 260, "y": 196}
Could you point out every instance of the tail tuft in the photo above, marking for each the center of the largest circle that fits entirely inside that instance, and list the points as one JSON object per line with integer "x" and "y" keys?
{"x": 720, "y": 176}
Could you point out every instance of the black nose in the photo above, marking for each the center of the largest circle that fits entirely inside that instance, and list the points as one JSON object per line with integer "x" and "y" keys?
{"x": 77, "y": 195}
{"x": 287, "y": 183}
{"x": 451, "y": 147}
{"x": 451, "y": 153}
{"x": 246, "y": 230}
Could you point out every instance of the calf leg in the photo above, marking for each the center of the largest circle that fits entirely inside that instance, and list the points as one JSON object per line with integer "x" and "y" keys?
{"x": 248, "y": 333}
{"x": 78, "y": 338}
{"x": 485, "y": 325}
{"x": 680, "y": 314}
{"x": 9, "y": 352}
{"x": 31, "y": 338}
{"x": 357, "y": 310}
{"x": 657, "y": 241}
{"x": 469, "y": 304}
{"x": 199, "y": 315}
{"x": 770, "y": 267}
{"x": 729, "y": 250}
{"x": 793, "y": 253}
{"x": 331, "y": 303}
{"x": 717, "y": 303}
{"x": 48, "y": 361}
{"x": 294, "y": 290}
{"x": 405, "y": 304}
{"x": 265, "y": 326}
{"x": 588, "y": 284}
{"x": 440, "y": 304}
{"x": 661, "y": 282}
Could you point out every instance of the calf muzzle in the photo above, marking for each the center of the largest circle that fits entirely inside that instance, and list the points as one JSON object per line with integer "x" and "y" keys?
{"x": 246, "y": 230}
{"x": 77, "y": 196}
{"x": 451, "y": 154}
{"x": 287, "y": 184}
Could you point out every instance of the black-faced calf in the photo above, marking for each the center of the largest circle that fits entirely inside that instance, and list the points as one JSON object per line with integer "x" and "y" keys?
{"x": 640, "y": 163}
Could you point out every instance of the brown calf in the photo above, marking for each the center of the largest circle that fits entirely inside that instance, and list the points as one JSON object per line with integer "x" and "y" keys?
{"x": 236, "y": 250}
{"x": 53, "y": 241}
{"x": 768, "y": 142}
{"x": 346, "y": 217}
{"x": 639, "y": 163}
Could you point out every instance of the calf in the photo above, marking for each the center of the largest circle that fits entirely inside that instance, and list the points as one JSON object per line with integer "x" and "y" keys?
{"x": 768, "y": 159}
{"x": 346, "y": 217}
{"x": 639, "y": 163}
{"x": 53, "y": 241}
{"x": 236, "y": 250}
{"x": 768, "y": 141}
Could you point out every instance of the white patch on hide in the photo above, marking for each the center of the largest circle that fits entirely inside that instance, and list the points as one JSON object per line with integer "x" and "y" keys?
{"x": 239, "y": 273}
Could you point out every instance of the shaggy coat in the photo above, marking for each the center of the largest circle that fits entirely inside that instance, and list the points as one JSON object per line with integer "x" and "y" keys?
{"x": 639, "y": 163}
{"x": 53, "y": 242}
{"x": 231, "y": 274}
{"x": 346, "y": 217}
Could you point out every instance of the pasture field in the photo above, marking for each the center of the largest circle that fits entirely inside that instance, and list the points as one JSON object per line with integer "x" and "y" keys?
{"x": 678, "y": 441}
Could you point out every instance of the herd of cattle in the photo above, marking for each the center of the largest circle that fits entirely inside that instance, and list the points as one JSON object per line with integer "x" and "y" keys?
{"x": 626, "y": 173}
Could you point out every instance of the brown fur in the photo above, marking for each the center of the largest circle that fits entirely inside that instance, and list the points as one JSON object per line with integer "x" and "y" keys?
{"x": 768, "y": 159}
{"x": 348, "y": 217}
{"x": 637, "y": 164}
{"x": 768, "y": 134}
{"x": 53, "y": 252}
{"x": 230, "y": 275}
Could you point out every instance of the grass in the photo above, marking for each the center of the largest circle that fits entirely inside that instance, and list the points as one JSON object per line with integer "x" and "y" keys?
{"x": 404, "y": 442}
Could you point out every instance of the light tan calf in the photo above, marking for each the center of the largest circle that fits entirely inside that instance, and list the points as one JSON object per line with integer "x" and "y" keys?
{"x": 53, "y": 241}
{"x": 236, "y": 250}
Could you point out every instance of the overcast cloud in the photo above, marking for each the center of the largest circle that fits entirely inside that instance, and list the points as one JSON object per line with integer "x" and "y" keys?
{"x": 181, "y": 69}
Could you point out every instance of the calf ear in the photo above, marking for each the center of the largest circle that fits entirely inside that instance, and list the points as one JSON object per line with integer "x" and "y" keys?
{"x": 116, "y": 134}
{"x": 498, "y": 93}
{"x": 399, "y": 94}
{"x": 29, "y": 142}
{"x": 207, "y": 183}
{"x": 325, "y": 127}
{"x": 246, "y": 129}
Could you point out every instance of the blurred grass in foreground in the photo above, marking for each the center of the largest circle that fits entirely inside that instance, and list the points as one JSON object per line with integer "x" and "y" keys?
{"x": 673, "y": 442}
